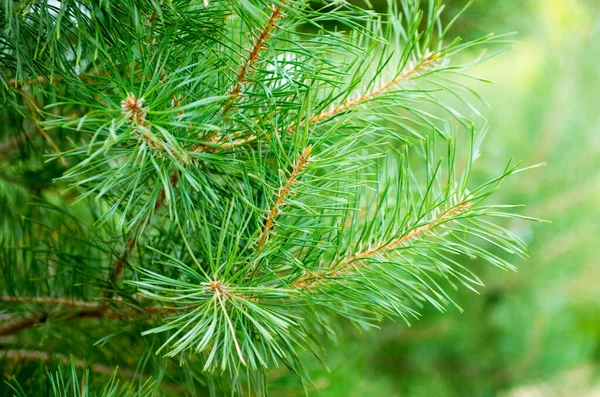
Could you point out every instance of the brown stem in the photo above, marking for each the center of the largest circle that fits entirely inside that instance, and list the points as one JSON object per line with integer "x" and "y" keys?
{"x": 301, "y": 163}
{"x": 353, "y": 262}
{"x": 276, "y": 14}
{"x": 51, "y": 301}
{"x": 352, "y": 103}
{"x": 348, "y": 105}
{"x": 246, "y": 66}
{"x": 38, "y": 80}
{"x": 101, "y": 311}
{"x": 14, "y": 327}
{"x": 32, "y": 106}
{"x": 35, "y": 355}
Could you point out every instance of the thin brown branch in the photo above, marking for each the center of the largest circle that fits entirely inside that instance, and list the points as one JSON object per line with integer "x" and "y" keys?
{"x": 353, "y": 262}
{"x": 352, "y": 103}
{"x": 87, "y": 310}
{"x": 30, "y": 103}
{"x": 14, "y": 327}
{"x": 246, "y": 66}
{"x": 36, "y": 355}
{"x": 119, "y": 262}
{"x": 301, "y": 163}
{"x": 38, "y": 80}
{"x": 91, "y": 310}
{"x": 348, "y": 105}
{"x": 42, "y": 300}
{"x": 17, "y": 326}
{"x": 253, "y": 55}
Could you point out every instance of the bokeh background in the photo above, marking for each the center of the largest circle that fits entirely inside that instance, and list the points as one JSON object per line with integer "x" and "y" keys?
{"x": 535, "y": 332}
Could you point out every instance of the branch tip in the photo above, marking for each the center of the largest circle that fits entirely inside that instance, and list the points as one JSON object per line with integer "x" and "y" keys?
{"x": 299, "y": 166}
{"x": 353, "y": 262}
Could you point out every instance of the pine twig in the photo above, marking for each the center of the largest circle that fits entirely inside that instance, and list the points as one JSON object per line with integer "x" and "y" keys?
{"x": 99, "y": 311}
{"x": 31, "y": 105}
{"x": 245, "y": 68}
{"x": 300, "y": 165}
{"x": 42, "y": 300}
{"x": 38, "y": 80}
{"x": 352, "y": 103}
{"x": 37, "y": 355}
{"x": 14, "y": 327}
{"x": 348, "y": 105}
{"x": 276, "y": 14}
{"x": 134, "y": 109}
{"x": 352, "y": 262}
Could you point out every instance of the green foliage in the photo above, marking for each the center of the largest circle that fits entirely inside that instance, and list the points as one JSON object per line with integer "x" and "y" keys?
{"x": 536, "y": 331}
{"x": 234, "y": 184}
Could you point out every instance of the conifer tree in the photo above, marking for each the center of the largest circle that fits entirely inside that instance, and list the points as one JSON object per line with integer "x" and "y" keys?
{"x": 196, "y": 193}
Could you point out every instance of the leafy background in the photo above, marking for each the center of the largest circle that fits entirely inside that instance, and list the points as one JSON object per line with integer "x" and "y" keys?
{"x": 535, "y": 332}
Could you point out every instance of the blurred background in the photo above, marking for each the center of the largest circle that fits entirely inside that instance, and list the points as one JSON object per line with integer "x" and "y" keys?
{"x": 535, "y": 332}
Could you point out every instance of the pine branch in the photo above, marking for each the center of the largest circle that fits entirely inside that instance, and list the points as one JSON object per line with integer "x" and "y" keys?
{"x": 31, "y": 105}
{"x": 169, "y": 145}
{"x": 37, "y": 355}
{"x": 276, "y": 14}
{"x": 88, "y": 310}
{"x": 51, "y": 301}
{"x": 352, "y": 103}
{"x": 346, "y": 106}
{"x": 246, "y": 66}
{"x": 300, "y": 165}
{"x": 133, "y": 108}
{"x": 353, "y": 262}
{"x": 38, "y": 80}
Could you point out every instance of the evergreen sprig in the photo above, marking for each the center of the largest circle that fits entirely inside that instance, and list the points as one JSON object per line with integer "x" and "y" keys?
{"x": 239, "y": 177}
